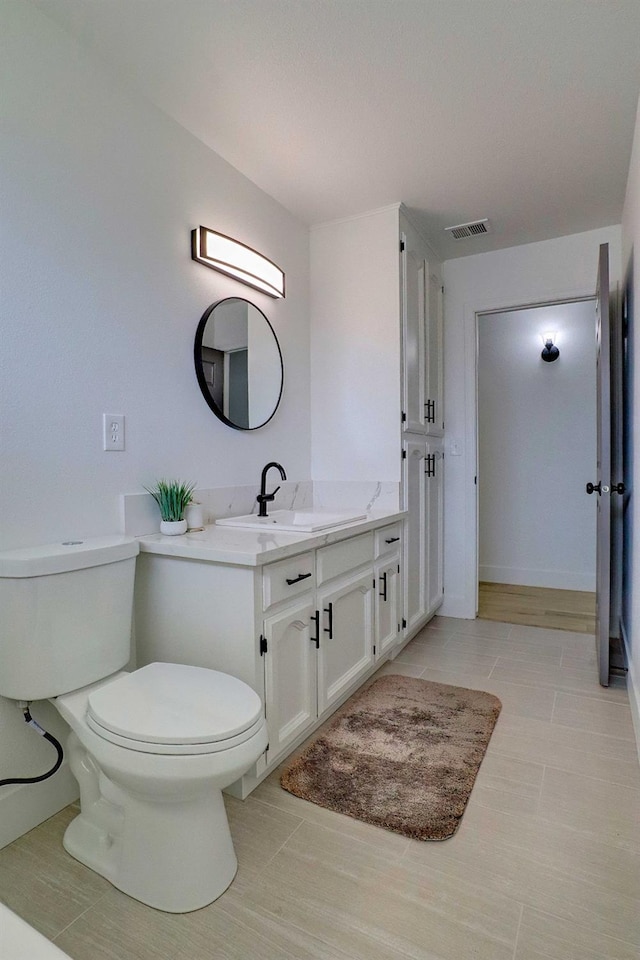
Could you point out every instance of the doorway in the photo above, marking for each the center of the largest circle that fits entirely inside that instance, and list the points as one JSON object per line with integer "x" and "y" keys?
{"x": 536, "y": 446}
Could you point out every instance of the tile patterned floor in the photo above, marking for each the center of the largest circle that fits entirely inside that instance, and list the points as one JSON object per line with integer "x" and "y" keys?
{"x": 545, "y": 865}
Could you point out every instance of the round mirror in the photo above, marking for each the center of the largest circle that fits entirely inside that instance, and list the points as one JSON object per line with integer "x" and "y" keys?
{"x": 238, "y": 363}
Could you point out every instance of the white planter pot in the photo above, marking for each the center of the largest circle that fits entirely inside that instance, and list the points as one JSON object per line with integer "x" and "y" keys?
{"x": 173, "y": 528}
{"x": 194, "y": 516}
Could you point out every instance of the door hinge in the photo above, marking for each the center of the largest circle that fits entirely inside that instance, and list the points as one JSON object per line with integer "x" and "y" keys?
{"x": 401, "y": 246}
{"x": 404, "y": 454}
{"x": 442, "y": 288}
{"x": 475, "y": 480}
{"x": 374, "y": 583}
{"x": 398, "y": 568}
{"x": 404, "y": 417}
{"x": 263, "y": 645}
{"x": 404, "y": 624}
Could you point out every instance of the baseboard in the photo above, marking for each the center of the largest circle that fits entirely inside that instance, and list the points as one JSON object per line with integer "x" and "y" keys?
{"x": 633, "y": 690}
{"x": 26, "y": 805}
{"x": 553, "y": 579}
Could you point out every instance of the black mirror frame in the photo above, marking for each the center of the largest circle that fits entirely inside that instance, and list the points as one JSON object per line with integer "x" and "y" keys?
{"x": 202, "y": 383}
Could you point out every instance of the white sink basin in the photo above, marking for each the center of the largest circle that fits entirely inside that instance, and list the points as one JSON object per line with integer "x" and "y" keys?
{"x": 292, "y": 521}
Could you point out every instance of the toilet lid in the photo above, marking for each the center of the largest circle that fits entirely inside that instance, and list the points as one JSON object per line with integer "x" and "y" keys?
{"x": 171, "y": 703}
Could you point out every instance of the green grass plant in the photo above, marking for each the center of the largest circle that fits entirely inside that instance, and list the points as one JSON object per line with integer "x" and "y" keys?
{"x": 172, "y": 496}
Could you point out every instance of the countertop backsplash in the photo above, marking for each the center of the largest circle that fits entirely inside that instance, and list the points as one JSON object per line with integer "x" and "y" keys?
{"x": 140, "y": 516}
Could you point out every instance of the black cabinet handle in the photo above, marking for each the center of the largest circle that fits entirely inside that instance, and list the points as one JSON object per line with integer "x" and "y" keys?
{"x": 302, "y": 576}
{"x": 383, "y": 577}
{"x": 316, "y": 616}
{"x": 329, "y": 629}
{"x": 594, "y": 488}
{"x": 617, "y": 488}
{"x": 392, "y": 540}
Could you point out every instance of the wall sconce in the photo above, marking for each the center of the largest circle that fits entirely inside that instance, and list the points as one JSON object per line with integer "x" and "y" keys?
{"x": 236, "y": 260}
{"x": 550, "y": 352}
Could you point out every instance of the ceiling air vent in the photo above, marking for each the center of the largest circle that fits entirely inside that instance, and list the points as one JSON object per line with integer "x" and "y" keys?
{"x": 463, "y": 230}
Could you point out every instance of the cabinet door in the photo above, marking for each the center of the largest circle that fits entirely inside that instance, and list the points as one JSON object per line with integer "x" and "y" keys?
{"x": 434, "y": 412}
{"x": 388, "y": 604}
{"x": 413, "y": 280}
{"x": 290, "y": 674}
{"x": 346, "y": 635}
{"x": 415, "y": 538}
{"x": 434, "y": 523}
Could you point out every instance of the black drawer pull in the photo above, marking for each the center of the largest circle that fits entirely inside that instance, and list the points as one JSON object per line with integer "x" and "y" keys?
{"x": 392, "y": 540}
{"x": 302, "y": 576}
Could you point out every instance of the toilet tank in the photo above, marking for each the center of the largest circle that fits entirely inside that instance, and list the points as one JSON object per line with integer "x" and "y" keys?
{"x": 66, "y": 614}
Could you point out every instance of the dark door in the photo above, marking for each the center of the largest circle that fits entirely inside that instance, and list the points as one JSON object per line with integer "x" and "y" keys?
{"x": 608, "y": 486}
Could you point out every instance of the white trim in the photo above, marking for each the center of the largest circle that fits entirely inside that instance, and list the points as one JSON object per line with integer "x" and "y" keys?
{"x": 28, "y": 804}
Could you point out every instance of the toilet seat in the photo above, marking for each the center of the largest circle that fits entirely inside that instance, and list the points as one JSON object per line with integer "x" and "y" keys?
{"x": 170, "y": 708}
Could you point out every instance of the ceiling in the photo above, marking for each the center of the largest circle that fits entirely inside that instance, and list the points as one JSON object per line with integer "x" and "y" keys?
{"x": 517, "y": 110}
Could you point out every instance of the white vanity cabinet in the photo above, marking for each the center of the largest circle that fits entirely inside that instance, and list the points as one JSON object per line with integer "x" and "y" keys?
{"x": 345, "y": 602}
{"x": 303, "y": 631}
{"x": 290, "y": 673}
{"x": 424, "y": 499}
{"x": 377, "y": 384}
{"x": 421, "y": 311}
{"x": 388, "y": 587}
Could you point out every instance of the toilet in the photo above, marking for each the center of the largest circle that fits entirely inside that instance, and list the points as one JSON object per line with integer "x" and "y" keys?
{"x": 151, "y": 749}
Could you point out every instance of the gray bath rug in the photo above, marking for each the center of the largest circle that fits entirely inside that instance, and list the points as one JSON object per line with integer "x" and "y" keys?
{"x": 403, "y": 755}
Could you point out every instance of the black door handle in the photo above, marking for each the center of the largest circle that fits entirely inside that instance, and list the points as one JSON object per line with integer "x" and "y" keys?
{"x": 617, "y": 488}
{"x": 392, "y": 540}
{"x": 316, "y": 639}
{"x": 383, "y": 577}
{"x": 595, "y": 487}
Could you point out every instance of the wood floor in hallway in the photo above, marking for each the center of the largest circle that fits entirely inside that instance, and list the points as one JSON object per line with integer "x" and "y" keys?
{"x": 573, "y": 610}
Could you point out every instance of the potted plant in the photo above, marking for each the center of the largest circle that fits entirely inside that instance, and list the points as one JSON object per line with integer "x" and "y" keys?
{"x": 172, "y": 497}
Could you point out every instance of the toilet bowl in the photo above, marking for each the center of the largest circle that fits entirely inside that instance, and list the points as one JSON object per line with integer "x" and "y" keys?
{"x": 151, "y": 749}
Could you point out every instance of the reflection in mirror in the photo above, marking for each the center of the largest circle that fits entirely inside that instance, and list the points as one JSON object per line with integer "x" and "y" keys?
{"x": 238, "y": 363}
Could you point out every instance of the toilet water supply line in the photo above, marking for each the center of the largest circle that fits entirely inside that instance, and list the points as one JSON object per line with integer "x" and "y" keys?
{"x": 24, "y": 707}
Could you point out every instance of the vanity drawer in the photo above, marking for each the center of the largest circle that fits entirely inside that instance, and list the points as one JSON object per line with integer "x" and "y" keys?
{"x": 286, "y": 578}
{"x": 344, "y": 556}
{"x": 388, "y": 539}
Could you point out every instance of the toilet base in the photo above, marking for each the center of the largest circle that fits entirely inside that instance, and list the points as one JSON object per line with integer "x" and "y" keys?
{"x": 174, "y": 855}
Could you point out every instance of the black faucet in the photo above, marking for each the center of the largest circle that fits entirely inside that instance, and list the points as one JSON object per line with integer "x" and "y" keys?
{"x": 263, "y": 497}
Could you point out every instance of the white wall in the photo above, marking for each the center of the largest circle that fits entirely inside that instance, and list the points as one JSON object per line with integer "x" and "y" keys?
{"x": 355, "y": 345}
{"x": 100, "y": 304}
{"x": 537, "y": 448}
{"x": 631, "y": 279}
{"x": 529, "y": 274}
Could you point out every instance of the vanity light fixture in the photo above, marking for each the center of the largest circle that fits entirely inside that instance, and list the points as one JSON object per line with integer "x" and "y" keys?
{"x": 550, "y": 352}
{"x": 236, "y": 260}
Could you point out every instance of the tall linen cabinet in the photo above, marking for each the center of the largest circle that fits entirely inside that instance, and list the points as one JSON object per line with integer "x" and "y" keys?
{"x": 376, "y": 380}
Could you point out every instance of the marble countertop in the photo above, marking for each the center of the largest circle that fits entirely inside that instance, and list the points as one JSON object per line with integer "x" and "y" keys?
{"x": 252, "y": 548}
